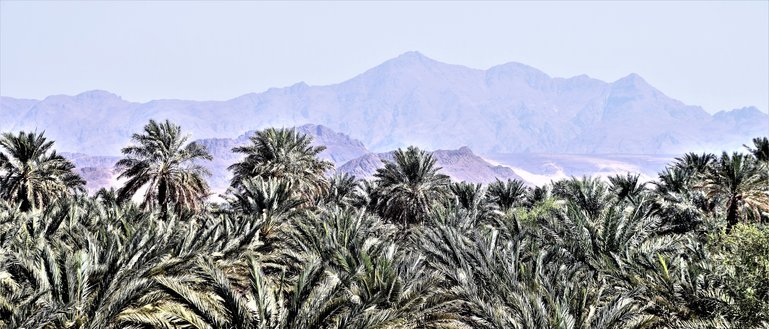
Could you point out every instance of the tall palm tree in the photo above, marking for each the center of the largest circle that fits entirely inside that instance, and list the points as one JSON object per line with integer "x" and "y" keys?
{"x": 760, "y": 148}
{"x": 283, "y": 154}
{"x": 167, "y": 166}
{"x": 32, "y": 175}
{"x": 589, "y": 194}
{"x": 508, "y": 194}
{"x": 684, "y": 173}
{"x": 695, "y": 164}
{"x": 342, "y": 189}
{"x": 409, "y": 185}
{"x": 626, "y": 187}
{"x": 472, "y": 198}
{"x": 741, "y": 182}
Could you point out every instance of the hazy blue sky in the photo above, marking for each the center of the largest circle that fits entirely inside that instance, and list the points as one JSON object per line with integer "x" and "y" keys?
{"x": 713, "y": 54}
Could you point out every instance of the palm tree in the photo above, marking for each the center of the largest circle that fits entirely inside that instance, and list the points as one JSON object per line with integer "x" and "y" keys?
{"x": 269, "y": 198}
{"x": 469, "y": 197}
{"x": 760, "y": 149}
{"x": 695, "y": 164}
{"x": 167, "y": 166}
{"x": 741, "y": 182}
{"x": 73, "y": 267}
{"x": 589, "y": 194}
{"x": 673, "y": 180}
{"x": 283, "y": 154}
{"x": 626, "y": 187}
{"x": 409, "y": 185}
{"x": 342, "y": 190}
{"x": 508, "y": 194}
{"x": 32, "y": 175}
{"x": 684, "y": 173}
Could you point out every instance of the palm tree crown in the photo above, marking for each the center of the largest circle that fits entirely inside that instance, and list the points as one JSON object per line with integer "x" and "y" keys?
{"x": 167, "y": 166}
{"x": 283, "y": 154}
{"x": 32, "y": 175}
{"x": 760, "y": 148}
{"x": 409, "y": 185}
{"x": 740, "y": 181}
{"x": 507, "y": 194}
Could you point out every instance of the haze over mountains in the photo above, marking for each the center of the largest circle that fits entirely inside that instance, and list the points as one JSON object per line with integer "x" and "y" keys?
{"x": 347, "y": 154}
{"x": 523, "y": 123}
{"x": 412, "y": 99}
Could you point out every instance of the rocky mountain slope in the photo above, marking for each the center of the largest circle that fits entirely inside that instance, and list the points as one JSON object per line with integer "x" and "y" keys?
{"x": 97, "y": 171}
{"x": 414, "y": 100}
{"x": 461, "y": 165}
{"x": 340, "y": 148}
{"x": 347, "y": 154}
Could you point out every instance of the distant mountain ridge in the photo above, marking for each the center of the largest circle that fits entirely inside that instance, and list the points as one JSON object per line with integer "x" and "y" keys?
{"x": 414, "y": 100}
{"x": 347, "y": 154}
{"x": 461, "y": 165}
{"x": 340, "y": 148}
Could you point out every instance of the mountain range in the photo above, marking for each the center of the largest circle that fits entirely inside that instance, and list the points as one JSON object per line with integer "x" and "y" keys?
{"x": 414, "y": 100}
{"x": 347, "y": 154}
{"x": 523, "y": 123}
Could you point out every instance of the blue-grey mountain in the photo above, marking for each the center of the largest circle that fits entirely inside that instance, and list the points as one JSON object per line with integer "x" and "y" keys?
{"x": 411, "y": 99}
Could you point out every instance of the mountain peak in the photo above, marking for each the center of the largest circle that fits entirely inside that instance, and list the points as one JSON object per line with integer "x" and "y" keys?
{"x": 412, "y": 55}
{"x": 516, "y": 66}
{"x": 410, "y": 59}
{"x": 465, "y": 150}
{"x": 96, "y": 94}
{"x": 745, "y": 113}
{"x": 632, "y": 81}
{"x": 514, "y": 71}
{"x": 747, "y": 109}
{"x": 632, "y": 78}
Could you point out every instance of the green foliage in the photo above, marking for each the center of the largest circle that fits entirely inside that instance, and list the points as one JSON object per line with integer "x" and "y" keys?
{"x": 291, "y": 248}
{"x": 508, "y": 194}
{"x": 742, "y": 183}
{"x": 760, "y": 149}
{"x": 32, "y": 175}
{"x": 287, "y": 155}
{"x": 409, "y": 186}
{"x": 161, "y": 163}
{"x": 745, "y": 259}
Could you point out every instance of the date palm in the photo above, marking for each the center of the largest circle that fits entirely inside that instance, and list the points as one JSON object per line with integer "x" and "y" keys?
{"x": 589, "y": 194}
{"x": 695, "y": 164}
{"x": 32, "y": 174}
{"x": 342, "y": 189}
{"x": 626, "y": 187}
{"x": 166, "y": 166}
{"x": 760, "y": 148}
{"x": 283, "y": 154}
{"x": 684, "y": 173}
{"x": 409, "y": 185}
{"x": 741, "y": 182}
{"x": 508, "y": 194}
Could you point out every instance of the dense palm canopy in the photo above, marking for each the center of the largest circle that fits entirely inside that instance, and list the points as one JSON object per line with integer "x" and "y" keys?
{"x": 32, "y": 175}
{"x": 165, "y": 167}
{"x": 576, "y": 253}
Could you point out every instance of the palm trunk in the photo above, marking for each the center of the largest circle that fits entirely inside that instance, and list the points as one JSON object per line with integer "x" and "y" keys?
{"x": 26, "y": 204}
{"x": 732, "y": 217}
{"x": 163, "y": 199}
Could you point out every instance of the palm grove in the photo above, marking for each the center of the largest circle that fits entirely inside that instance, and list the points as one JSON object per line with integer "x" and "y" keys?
{"x": 295, "y": 247}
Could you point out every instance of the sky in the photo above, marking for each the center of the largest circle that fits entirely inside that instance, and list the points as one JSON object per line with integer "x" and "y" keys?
{"x": 713, "y": 54}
